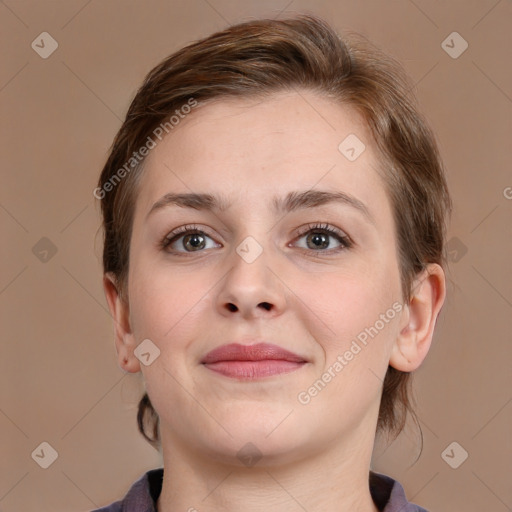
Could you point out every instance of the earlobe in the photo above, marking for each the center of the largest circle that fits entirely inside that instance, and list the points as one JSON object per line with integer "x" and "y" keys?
{"x": 420, "y": 315}
{"x": 124, "y": 339}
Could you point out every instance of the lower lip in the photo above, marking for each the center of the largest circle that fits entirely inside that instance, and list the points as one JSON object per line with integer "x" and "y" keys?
{"x": 248, "y": 370}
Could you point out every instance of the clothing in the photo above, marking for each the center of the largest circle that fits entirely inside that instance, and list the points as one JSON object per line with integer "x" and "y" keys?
{"x": 387, "y": 494}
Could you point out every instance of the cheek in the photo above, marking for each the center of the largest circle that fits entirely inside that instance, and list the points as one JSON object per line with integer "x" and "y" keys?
{"x": 346, "y": 303}
{"x": 162, "y": 298}
{"x": 356, "y": 323}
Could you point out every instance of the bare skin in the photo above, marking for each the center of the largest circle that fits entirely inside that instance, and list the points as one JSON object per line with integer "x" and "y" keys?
{"x": 307, "y": 297}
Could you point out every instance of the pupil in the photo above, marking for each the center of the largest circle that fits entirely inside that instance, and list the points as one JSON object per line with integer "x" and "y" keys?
{"x": 319, "y": 238}
{"x": 195, "y": 241}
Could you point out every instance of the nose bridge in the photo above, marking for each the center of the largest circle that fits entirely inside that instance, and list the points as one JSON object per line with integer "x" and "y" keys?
{"x": 250, "y": 286}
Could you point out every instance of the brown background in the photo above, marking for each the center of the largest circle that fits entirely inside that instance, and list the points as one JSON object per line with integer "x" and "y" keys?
{"x": 60, "y": 382}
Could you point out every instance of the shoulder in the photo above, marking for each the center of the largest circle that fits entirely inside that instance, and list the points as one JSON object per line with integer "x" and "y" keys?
{"x": 142, "y": 495}
{"x": 113, "y": 507}
{"x": 389, "y": 495}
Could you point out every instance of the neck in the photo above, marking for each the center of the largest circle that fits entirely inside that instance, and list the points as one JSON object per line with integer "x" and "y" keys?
{"x": 335, "y": 480}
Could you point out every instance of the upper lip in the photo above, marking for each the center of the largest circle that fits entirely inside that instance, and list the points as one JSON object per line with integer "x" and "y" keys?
{"x": 255, "y": 352}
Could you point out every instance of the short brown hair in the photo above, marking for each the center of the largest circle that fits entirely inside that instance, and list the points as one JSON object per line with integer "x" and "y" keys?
{"x": 256, "y": 59}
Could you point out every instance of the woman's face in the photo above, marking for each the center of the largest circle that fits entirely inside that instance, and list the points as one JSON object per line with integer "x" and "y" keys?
{"x": 260, "y": 267}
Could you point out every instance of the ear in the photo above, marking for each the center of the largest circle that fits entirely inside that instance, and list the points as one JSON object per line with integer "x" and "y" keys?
{"x": 419, "y": 319}
{"x": 124, "y": 339}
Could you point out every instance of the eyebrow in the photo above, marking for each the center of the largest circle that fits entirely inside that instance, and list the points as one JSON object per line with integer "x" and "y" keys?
{"x": 291, "y": 202}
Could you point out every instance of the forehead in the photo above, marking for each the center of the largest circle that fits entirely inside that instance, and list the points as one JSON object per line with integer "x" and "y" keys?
{"x": 244, "y": 148}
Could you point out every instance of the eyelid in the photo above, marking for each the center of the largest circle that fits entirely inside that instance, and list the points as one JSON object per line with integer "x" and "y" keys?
{"x": 322, "y": 226}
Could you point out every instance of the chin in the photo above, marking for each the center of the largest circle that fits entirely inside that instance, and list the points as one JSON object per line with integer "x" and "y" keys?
{"x": 253, "y": 451}
{"x": 270, "y": 441}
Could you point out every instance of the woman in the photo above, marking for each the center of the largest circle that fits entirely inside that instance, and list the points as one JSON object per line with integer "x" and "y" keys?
{"x": 274, "y": 209}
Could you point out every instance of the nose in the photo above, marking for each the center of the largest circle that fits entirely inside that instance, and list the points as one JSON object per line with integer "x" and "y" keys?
{"x": 251, "y": 290}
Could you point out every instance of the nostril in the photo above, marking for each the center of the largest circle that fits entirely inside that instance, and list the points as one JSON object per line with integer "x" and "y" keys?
{"x": 266, "y": 305}
{"x": 232, "y": 307}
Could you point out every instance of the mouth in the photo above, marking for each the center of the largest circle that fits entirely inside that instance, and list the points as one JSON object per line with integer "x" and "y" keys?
{"x": 249, "y": 362}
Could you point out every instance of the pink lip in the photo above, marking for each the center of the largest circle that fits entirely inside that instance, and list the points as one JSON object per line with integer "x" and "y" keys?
{"x": 252, "y": 361}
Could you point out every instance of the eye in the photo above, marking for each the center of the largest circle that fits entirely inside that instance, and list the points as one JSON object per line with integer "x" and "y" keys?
{"x": 318, "y": 238}
{"x": 189, "y": 238}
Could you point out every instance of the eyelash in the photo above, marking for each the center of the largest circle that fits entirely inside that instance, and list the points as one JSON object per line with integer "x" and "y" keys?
{"x": 346, "y": 242}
